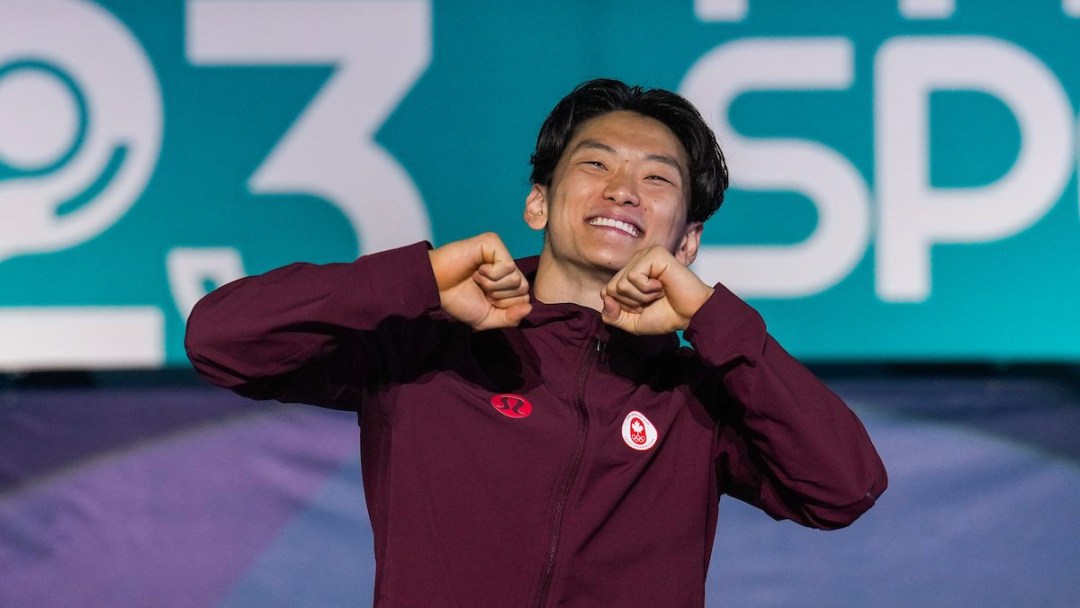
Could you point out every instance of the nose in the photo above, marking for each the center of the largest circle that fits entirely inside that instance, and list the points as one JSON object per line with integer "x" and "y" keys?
{"x": 621, "y": 189}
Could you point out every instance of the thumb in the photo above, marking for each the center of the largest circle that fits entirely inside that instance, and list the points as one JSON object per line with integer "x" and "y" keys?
{"x": 612, "y": 313}
{"x": 517, "y": 312}
{"x": 505, "y": 317}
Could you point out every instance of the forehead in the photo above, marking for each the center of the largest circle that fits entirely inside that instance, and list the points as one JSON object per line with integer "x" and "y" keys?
{"x": 629, "y": 132}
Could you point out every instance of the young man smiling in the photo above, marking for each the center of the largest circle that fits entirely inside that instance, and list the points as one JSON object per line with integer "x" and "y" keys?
{"x": 617, "y": 204}
{"x": 532, "y": 433}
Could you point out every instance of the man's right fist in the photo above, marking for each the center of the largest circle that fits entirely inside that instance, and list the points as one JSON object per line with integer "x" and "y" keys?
{"x": 479, "y": 283}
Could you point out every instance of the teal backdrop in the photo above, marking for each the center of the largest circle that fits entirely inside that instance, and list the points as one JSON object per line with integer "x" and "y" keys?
{"x": 903, "y": 171}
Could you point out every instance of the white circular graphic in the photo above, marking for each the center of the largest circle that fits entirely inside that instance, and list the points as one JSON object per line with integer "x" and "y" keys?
{"x": 38, "y": 119}
{"x": 112, "y": 74}
{"x": 638, "y": 432}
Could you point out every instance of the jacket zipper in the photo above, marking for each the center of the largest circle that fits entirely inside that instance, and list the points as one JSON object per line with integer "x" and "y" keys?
{"x": 575, "y": 465}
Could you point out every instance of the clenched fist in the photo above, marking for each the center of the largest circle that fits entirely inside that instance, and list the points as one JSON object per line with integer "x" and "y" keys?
{"x": 479, "y": 283}
{"x": 653, "y": 294}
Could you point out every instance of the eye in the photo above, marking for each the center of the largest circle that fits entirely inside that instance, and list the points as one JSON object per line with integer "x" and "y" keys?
{"x": 659, "y": 178}
{"x": 594, "y": 163}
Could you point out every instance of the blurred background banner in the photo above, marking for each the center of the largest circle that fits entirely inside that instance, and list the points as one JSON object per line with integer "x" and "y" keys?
{"x": 904, "y": 212}
{"x": 903, "y": 172}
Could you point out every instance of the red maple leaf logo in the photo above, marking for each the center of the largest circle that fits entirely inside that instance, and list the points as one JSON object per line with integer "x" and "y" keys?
{"x": 637, "y": 431}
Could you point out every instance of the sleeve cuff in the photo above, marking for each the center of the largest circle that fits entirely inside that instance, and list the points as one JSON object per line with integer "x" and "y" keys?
{"x": 726, "y": 329}
{"x": 403, "y": 277}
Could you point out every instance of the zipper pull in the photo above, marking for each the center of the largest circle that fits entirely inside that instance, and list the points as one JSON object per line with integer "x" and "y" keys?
{"x": 601, "y": 351}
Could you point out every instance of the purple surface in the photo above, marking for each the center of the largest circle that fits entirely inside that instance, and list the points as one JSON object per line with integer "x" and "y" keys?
{"x": 189, "y": 496}
{"x": 172, "y": 520}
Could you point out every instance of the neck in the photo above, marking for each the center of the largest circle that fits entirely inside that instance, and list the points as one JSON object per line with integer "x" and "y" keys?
{"x": 557, "y": 283}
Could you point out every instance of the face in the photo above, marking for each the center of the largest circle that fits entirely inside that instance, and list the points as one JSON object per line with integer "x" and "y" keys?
{"x": 621, "y": 186}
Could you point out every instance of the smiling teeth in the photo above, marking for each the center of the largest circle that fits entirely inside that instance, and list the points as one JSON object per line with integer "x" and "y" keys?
{"x": 606, "y": 221}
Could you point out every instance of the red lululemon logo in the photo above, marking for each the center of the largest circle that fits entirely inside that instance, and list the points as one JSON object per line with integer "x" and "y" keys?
{"x": 638, "y": 432}
{"x": 511, "y": 406}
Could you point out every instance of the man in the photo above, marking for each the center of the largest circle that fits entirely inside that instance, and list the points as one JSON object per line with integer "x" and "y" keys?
{"x": 532, "y": 434}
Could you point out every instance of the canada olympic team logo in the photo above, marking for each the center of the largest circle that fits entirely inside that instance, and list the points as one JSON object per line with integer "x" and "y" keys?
{"x": 638, "y": 432}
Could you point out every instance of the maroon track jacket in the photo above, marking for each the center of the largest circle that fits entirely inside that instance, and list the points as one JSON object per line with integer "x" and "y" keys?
{"x": 558, "y": 463}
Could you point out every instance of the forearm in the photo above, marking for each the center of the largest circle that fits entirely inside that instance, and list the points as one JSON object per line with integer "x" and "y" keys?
{"x": 249, "y": 334}
{"x": 817, "y": 462}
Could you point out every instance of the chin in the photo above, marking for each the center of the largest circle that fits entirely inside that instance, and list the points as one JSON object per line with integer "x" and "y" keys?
{"x": 613, "y": 263}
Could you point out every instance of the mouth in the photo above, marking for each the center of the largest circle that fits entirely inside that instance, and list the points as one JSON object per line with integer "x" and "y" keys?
{"x": 624, "y": 226}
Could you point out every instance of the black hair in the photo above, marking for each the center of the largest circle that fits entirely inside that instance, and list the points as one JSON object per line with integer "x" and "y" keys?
{"x": 708, "y": 171}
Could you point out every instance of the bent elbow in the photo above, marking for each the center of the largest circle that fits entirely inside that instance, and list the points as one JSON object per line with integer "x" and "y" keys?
{"x": 208, "y": 351}
{"x": 842, "y": 514}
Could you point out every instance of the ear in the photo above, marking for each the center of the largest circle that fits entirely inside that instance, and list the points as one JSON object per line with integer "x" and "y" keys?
{"x": 536, "y": 207}
{"x": 688, "y": 246}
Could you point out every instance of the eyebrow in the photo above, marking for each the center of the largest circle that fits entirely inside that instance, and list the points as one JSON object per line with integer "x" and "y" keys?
{"x": 662, "y": 158}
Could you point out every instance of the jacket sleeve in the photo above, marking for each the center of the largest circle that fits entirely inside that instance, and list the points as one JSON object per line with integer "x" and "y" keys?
{"x": 789, "y": 445}
{"x": 309, "y": 333}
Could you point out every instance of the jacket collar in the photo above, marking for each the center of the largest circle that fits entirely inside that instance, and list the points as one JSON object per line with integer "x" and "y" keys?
{"x": 580, "y": 321}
